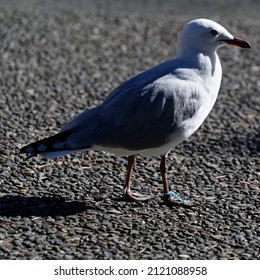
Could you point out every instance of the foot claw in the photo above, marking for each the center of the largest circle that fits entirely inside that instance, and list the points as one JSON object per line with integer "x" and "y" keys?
{"x": 171, "y": 198}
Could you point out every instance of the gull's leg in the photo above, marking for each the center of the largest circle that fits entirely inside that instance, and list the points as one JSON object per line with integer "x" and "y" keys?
{"x": 166, "y": 188}
{"x": 127, "y": 193}
{"x": 170, "y": 197}
{"x": 129, "y": 171}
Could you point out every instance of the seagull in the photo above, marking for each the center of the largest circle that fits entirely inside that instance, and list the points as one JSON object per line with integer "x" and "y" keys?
{"x": 153, "y": 111}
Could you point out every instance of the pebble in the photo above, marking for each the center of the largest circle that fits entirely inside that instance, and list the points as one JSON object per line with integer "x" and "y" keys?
{"x": 183, "y": 256}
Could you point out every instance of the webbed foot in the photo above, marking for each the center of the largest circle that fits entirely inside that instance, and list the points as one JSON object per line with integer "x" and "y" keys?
{"x": 171, "y": 198}
{"x": 136, "y": 196}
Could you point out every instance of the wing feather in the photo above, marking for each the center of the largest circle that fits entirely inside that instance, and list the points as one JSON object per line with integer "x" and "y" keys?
{"x": 147, "y": 119}
{"x": 141, "y": 113}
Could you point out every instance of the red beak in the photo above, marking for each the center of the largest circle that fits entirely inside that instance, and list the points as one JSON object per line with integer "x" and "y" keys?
{"x": 238, "y": 42}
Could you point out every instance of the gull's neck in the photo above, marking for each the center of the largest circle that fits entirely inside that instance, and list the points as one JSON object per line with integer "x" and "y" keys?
{"x": 207, "y": 63}
{"x": 207, "y": 66}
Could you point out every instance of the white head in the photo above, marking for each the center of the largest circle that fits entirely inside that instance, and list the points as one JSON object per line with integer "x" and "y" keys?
{"x": 205, "y": 36}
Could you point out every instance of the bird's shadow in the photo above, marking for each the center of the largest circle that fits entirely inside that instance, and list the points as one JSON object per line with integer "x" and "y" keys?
{"x": 18, "y": 205}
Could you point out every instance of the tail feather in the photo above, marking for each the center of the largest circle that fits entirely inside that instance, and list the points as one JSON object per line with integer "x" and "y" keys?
{"x": 52, "y": 146}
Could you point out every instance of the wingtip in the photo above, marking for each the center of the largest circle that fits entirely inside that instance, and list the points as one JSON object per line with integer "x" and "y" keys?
{"x": 46, "y": 147}
{"x": 26, "y": 150}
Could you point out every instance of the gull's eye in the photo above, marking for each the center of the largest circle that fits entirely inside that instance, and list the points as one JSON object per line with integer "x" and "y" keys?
{"x": 214, "y": 32}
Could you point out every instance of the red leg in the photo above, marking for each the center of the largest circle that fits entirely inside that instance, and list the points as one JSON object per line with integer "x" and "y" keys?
{"x": 170, "y": 197}
{"x": 129, "y": 171}
{"x": 127, "y": 193}
{"x": 164, "y": 174}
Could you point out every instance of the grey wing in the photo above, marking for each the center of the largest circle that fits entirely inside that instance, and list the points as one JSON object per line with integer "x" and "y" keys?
{"x": 129, "y": 89}
{"x": 146, "y": 120}
{"x": 99, "y": 125}
{"x": 136, "y": 116}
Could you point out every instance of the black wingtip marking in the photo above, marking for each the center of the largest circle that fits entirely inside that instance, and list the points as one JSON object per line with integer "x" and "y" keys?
{"x": 23, "y": 150}
{"x": 33, "y": 148}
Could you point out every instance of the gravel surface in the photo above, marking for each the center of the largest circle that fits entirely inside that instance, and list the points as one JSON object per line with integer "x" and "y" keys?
{"x": 56, "y": 62}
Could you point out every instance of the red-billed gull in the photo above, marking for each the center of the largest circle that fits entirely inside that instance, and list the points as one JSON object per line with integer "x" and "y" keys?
{"x": 155, "y": 110}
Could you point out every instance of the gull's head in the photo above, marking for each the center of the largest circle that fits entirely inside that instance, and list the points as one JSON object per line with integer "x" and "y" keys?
{"x": 206, "y": 36}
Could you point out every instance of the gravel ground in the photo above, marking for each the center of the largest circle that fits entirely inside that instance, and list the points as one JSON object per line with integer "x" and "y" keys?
{"x": 56, "y": 62}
